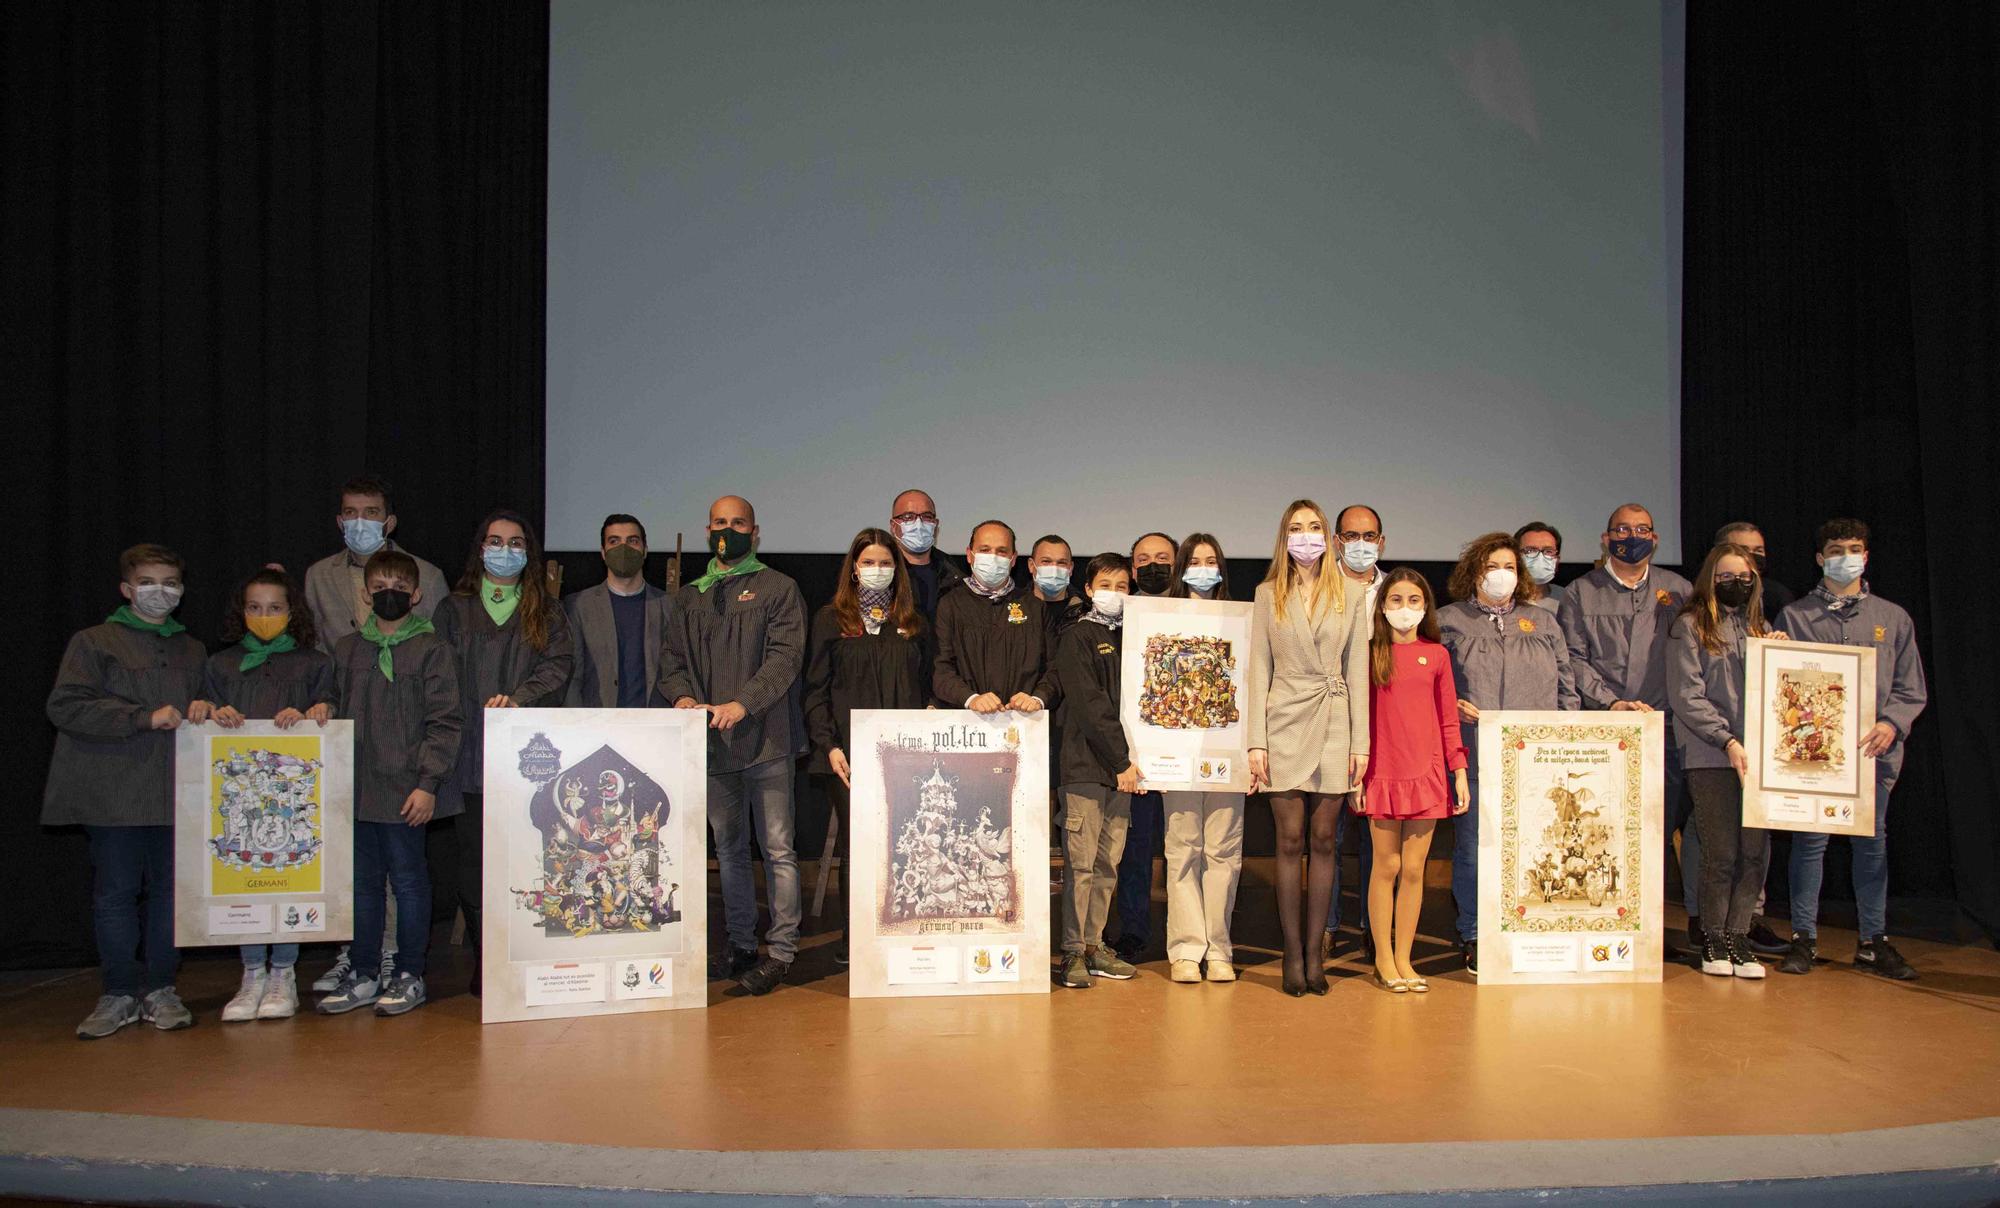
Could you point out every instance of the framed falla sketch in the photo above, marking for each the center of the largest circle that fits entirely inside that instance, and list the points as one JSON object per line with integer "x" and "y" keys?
{"x": 1805, "y": 708}
{"x": 263, "y": 833}
{"x": 949, "y": 887}
{"x": 1181, "y": 691}
{"x": 595, "y": 875}
{"x": 1570, "y": 824}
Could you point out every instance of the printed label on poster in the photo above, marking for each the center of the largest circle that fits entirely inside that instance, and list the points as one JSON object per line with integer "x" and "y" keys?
{"x": 1214, "y": 769}
{"x": 1790, "y": 807}
{"x": 1603, "y": 955}
{"x": 563, "y": 983}
{"x": 993, "y": 963}
{"x": 302, "y": 918}
{"x": 239, "y": 918}
{"x": 1165, "y": 768}
{"x": 922, "y": 966}
{"x": 1544, "y": 953}
{"x": 643, "y": 978}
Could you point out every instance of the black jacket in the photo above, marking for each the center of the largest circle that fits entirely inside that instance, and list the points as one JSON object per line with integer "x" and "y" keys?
{"x": 998, "y": 646}
{"x": 861, "y": 671}
{"x": 1093, "y": 740}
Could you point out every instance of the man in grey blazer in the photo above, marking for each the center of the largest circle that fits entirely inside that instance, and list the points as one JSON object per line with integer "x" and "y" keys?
{"x": 620, "y": 626}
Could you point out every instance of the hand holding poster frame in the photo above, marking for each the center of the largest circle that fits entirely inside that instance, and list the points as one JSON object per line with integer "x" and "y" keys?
{"x": 1182, "y": 696}
{"x": 263, "y": 833}
{"x": 596, "y": 870}
{"x": 1570, "y": 833}
{"x": 1806, "y": 707}
{"x": 948, "y": 888}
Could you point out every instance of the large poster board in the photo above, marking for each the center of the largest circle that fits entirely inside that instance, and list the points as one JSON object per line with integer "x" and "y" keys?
{"x": 263, "y": 833}
{"x": 1570, "y": 833}
{"x": 1182, "y": 696}
{"x": 1805, "y": 707}
{"x": 949, "y": 889}
{"x": 596, "y": 898}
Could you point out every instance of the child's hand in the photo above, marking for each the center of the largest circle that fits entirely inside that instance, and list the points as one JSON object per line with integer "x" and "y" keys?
{"x": 1739, "y": 759}
{"x": 1128, "y": 780}
{"x": 1356, "y": 801}
{"x": 500, "y": 701}
{"x": 320, "y": 713}
{"x": 198, "y": 711}
{"x": 1468, "y": 710}
{"x": 287, "y": 718}
{"x": 1464, "y": 790}
{"x": 838, "y": 758}
{"x": 418, "y": 807}
{"x": 166, "y": 717}
{"x": 228, "y": 718}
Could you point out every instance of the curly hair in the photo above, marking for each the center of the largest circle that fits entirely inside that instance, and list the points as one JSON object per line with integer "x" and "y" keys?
{"x": 1464, "y": 581}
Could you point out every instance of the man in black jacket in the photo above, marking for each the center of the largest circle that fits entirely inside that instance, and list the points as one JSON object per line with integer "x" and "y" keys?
{"x": 993, "y": 650}
{"x": 913, "y": 519}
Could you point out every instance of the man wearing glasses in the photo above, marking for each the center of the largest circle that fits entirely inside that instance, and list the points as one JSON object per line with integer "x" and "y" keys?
{"x": 913, "y": 519}
{"x": 1615, "y": 620}
{"x": 1358, "y": 540}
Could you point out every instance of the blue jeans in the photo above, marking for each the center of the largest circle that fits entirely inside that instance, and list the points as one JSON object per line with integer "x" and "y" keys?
{"x": 759, "y": 797}
{"x": 129, "y": 863}
{"x": 1135, "y": 870}
{"x": 1871, "y": 869}
{"x": 1354, "y": 824}
{"x": 1465, "y": 842}
{"x": 392, "y": 852}
{"x": 281, "y": 956}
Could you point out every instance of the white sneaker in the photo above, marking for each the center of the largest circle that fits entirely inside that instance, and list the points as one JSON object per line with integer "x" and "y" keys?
{"x": 343, "y": 964}
{"x": 243, "y": 1008}
{"x": 281, "y": 995}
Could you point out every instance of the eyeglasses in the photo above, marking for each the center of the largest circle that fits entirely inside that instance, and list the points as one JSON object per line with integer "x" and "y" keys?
{"x": 1731, "y": 577}
{"x": 506, "y": 543}
{"x": 908, "y": 517}
{"x": 1632, "y": 530}
{"x": 1370, "y": 536}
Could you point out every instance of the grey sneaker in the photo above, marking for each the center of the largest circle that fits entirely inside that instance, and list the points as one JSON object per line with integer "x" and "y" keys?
{"x": 1075, "y": 973}
{"x": 401, "y": 996}
{"x": 330, "y": 980}
{"x": 164, "y": 1010}
{"x": 1106, "y": 963}
{"x": 112, "y": 1012}
{"x": 351, "y": 993}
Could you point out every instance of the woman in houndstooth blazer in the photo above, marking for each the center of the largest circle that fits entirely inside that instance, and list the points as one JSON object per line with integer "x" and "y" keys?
{"x": 1308, "y": 716}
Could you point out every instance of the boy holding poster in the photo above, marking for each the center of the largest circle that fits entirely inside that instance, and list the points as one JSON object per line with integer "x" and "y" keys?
{"x": 275, "y": 670}
{"x": 1841, "y": 610}
{"x": 1098, "y": 776}
{"x": 398, "y": 682}
{"x": 122, "y": 689}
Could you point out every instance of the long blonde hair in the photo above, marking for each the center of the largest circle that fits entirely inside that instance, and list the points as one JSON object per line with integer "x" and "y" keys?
{"x": 1283, "y": 576}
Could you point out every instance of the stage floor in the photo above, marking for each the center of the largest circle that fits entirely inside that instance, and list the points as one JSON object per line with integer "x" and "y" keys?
{"x": 1145, "y": 1064}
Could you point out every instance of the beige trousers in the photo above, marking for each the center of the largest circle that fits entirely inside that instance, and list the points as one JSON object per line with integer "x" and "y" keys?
{"x": 1094, "y": 822}
{"x": 1204, "y": 841}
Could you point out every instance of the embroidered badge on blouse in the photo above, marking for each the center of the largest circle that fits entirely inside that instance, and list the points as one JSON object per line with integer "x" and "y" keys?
{"x": 1015, "y": 616}
{"x": 1665, "y": 597}
{"x": 747, "y": 595}
{"x": 1527, "y": 626}
{"x": 1881, "y": 631}
{"x": 877, "y": 614}
{"x": 1423, "y": 660}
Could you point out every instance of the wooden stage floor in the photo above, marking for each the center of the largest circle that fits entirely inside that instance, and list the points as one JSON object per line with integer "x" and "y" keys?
{"x": 1142, "y": 1064}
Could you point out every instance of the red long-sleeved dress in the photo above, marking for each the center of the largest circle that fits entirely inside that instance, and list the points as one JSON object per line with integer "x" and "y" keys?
{"x": 1414, "y": 736}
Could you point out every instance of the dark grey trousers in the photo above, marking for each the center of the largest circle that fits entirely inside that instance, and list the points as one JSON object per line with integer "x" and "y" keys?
{"x": 1733, "y": 856}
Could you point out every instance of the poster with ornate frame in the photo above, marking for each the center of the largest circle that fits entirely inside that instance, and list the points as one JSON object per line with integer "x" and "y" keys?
{"x": 1805, "y": 707}
{"x": 1570, "y": 832}
{"x": 263, "y": 833}
{"x": 596, "y": 873}
{"x": 1182, "y": 693}
{"x": 948, "y": 893}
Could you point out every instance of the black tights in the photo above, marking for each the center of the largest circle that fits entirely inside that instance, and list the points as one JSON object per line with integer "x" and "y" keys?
{"x": 1305, "y": 820}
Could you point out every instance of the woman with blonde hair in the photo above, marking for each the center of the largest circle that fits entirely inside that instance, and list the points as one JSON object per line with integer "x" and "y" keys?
{"x": 1308, "y": 719}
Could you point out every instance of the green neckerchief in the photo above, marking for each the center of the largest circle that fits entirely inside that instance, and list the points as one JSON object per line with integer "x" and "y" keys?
{"x": 412, "y": 625}
{"x": 165, "y": 629}
{"x": 510, "y": 599}
{"x": 717, "y": 572}
{"x": 257, "y": 651}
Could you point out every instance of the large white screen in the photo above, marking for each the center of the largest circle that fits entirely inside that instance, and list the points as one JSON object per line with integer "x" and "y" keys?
{"x": 1102, "y": 267}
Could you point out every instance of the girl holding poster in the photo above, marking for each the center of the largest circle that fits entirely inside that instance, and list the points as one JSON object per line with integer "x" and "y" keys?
{"x": 1705, "y": 688}
{"x": 275, "y": 670}
{"x": 1413, "y": 713}
{"x": 1308, "y": 719}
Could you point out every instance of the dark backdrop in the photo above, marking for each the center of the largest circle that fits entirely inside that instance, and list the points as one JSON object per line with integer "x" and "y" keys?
{"x": 250, "y": 250}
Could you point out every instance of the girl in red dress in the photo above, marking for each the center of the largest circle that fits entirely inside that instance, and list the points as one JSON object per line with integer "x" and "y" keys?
{"x": 1417, "y": 773}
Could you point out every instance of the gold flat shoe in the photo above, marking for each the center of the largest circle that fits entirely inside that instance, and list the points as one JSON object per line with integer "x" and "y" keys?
{"x": 1418, "y": 985}
{"x": 1394, "y": 985}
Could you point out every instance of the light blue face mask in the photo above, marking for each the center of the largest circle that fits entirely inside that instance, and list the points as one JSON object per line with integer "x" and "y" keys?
{"x": 1360, "y": 556}
{"x": 504, "y": 561}
{"x": 1052, "y": 580}
{"x": 363, "y": 537}
{"x": 1845, "y": 568}
{"x": 917, "y": 536}
{"x": 1203, "y": 579}
{"x": 1541, "y": 565}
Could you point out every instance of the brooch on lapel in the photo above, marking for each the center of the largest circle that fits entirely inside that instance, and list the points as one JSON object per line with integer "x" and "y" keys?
{"x": 1527, "y": 626}
{"x": 1665, "y": 597}
{"x": 1014, "y": 614}
{"x": 747, "y": 594}
{"x": 1881, "y": 631}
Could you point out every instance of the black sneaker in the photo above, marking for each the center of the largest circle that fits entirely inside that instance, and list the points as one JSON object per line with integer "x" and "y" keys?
{"x": 735, "y": 963}
{"x": 840, "y": 953}
{"x": 1469, "y": 949}
{"x": 1879, "y": 958}
{"x": 1765, "y": 942}
{"x": 1742, "y": 961}
{"x": 1714, "y": 957}
{"x": 766, "y": 977}
{"x": 1800, "y": 955}
{"x": 1129, "y": 947}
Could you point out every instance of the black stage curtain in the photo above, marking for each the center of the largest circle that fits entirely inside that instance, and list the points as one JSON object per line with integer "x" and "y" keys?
{"x": 1841, "y": 310}
{"x": 251, "y": 250}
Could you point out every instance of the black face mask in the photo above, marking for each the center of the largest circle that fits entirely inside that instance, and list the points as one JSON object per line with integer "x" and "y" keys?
{"x": 1734, "y": 594}
{"x": 729, "y": 544}
{"x": 390, "y": 604}
{"x": 1759, "y": 561}
{"x": 1154, "y": 579}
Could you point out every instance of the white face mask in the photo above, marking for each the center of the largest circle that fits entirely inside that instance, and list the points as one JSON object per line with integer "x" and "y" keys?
{"x": 1109, "y": 603}
{"x": 1540, "y": 563}
{"x": 1498, "y": 584}
{"x": 875, "y": 578}
{"x": 991, "y": 569}
{"x": 1402, "y": 620}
